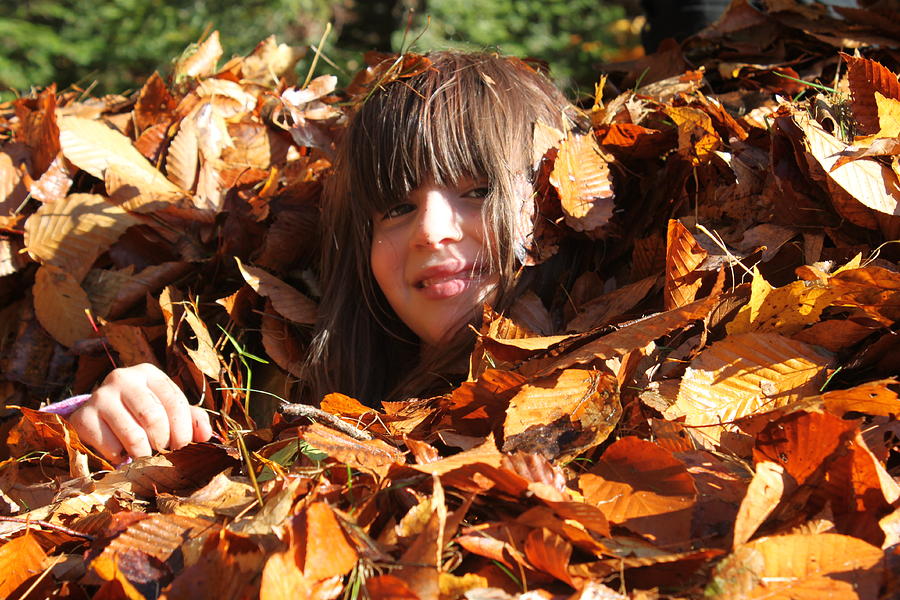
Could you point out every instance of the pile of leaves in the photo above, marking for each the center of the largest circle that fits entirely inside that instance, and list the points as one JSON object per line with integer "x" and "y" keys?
{"x": 706, "y": 409}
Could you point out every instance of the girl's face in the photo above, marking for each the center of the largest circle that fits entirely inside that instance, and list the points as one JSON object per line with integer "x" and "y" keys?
{"x": 430, "y": 260}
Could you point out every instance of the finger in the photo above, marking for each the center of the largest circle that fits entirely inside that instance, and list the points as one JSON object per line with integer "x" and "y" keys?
{"x": 202, "y": 428}
{"x": 129, "y": 386}
{"x": 176, "y": 406}
{"x": 121, "y": 422}
{"x": 94, "y": 432}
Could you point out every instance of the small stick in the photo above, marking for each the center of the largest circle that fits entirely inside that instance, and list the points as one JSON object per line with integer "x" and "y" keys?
{"x": 33, "y": 522}
{"x": 325, "y": 418}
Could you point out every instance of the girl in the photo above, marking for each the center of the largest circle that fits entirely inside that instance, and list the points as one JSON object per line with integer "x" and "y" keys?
{"x": 426, "y": 217}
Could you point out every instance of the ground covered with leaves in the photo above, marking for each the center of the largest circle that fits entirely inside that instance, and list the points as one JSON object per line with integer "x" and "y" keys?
{"x": 706, "y": 409}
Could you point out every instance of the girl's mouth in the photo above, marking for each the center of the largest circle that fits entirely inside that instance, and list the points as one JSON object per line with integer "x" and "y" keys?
{"x": 447, "y": 281}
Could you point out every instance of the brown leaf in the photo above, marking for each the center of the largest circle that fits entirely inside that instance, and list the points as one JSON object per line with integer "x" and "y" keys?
{"x": 227, "y": 568}
{"x": 61, "y": 305}
{"x": 562, "y": 415}
{"x": 389, "y": 587}
{"x": 644, "y": 488}
{"x": 604, "y": 309}
{"x": 374, "y": 456}
{"x": 743, "y": 374}
{"x": 281, "y": 342}
{"x": 801, "y": 566}
{"x": 581, "y": 176}
{"x": 154, "y": 104}
{"x": 39, "y": 129}
{"x": 696, "y": 137}
{"x": 131, "y": 344}
{"x": 622, "y": 341}
{"x": 683, "y": 256}
{"x": 289, "y": 303}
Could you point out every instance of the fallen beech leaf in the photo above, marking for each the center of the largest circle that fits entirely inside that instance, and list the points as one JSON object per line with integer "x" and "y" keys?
{"x": 562, "y": 415}
{"x": 550, "y": 553}
{"x": 53, "y": 185}
{"x": 423, "y": 555}
{"x": 183, "y": 155}
{"x": 107, "y": 568}
{"x": 866, "y": 182}
{"x": 282, "y": 579}
{"x": 154, "y": 104}
{"x": 204, "y": 355}
{"x": 94, "y": 147}
{"x": 289, "y": 303}
{"x": 39, "y": 128}
{"x": 131, "y": 344}
{"x": 61, "y": 305}
{"x": 618, "y": 343}
{"x": 801, "y": 566}
{"x": 227, "y": 568}
{"x": 581, "y": 176}
{"x": 604, "y": 309}
{"x": 866, "y": 77}
{"x": 456, "y": 586}
{"x": 389, "y": 587}
{"x": 696, "y": 137}
{"x": 322, "y": 547}
{"x": 744, "y": 374}
{"x": 21, "y": 559}
{"x": 801, "y": 442}
{"x": 683, "y": 256}
{"x": 769, "y": 485}
{"x": 72, "y": 233}
{"x": 374, "y": 456}
{"x": 202, "y": 61}
{"x": 642, "y": 487}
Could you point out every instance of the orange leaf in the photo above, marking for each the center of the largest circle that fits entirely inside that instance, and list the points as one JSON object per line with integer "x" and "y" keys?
{"x": 801, "y": 567}
{"x": 39, "y": 129}
{"x": 130, "y": 342}
{"x": 389, "y": 587}
{"x": 639, "y": 485}
{"x": 683, "y": 256}
{"x": 550, "y": 553}
{"x": 744, "y": 374}
{"x": 61, "y": 305}
{"x": 322, "y": 547}
{"x": 282, "y": 579}
{"x": 562, "y": 415}
{"x": 581, "y": 176}
{"x": 867, "y": 77}
{"x": 21, "y": 559}
{"x": 154, "y": 103}
{"x": 802, "y": 442}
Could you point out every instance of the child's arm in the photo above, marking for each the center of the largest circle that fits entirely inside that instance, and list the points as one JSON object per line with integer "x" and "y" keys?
{"x": 135, "y": 411}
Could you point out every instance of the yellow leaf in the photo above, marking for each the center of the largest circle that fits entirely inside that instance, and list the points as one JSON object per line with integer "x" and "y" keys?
{"x": 801, "y": 567}
{"x": 72, "y": 233}
{"x": 94, "y": 147}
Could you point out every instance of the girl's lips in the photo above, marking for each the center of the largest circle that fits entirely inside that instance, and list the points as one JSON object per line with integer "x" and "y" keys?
{"x": 446, "y": 281}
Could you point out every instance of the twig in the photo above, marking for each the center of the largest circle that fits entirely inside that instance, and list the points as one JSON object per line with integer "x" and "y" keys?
{"x": 29, "y": 522}
{"x": 325, "y": 418}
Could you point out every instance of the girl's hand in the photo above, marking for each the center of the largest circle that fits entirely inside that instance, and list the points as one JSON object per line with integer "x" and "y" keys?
{"x": 137, "y": 410}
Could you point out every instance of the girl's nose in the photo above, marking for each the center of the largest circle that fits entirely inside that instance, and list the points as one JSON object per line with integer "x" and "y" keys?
{"x": 438, "y": 220}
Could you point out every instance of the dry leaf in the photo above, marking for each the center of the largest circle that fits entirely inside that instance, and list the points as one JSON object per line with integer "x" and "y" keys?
{"x": 581, "y": 176}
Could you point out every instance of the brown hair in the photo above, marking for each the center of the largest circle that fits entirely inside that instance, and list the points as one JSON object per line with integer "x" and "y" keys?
{"x": 466, "y": 115}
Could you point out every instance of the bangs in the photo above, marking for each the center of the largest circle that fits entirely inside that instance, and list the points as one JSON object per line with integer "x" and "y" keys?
{"x": 441, "y": 125}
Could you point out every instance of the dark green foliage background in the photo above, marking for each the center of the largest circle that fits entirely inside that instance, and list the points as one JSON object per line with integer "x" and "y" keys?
{"x": 113, "y": 45}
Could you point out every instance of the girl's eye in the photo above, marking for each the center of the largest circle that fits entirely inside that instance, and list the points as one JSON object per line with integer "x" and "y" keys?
{"x": 478, "y": 192}
{"x": 398, "y": 210}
